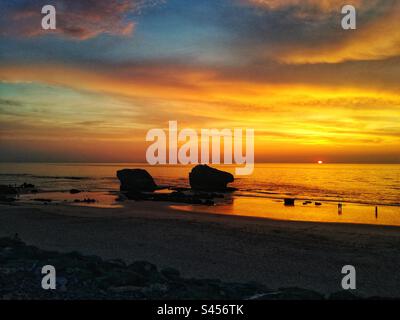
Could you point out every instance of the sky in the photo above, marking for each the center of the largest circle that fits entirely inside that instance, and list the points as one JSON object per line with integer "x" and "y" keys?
{"x": 113, "y": 69}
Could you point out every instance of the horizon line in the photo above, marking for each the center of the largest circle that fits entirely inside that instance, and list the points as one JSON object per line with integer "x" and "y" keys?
{"x": 216, "y": 164}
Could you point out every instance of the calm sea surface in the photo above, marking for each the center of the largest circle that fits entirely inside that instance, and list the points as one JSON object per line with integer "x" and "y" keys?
{"x": 364, "y": 184}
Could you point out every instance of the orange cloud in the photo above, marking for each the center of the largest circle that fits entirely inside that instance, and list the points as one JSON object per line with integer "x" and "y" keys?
{"x": 377, "y": 36}
{"x": 376, "y": 40}
{"x": 193, "y": 96}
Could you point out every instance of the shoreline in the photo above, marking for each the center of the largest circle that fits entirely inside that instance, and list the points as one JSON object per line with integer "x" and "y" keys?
{"x": 231, "y": 248}
{"x": 232, "y": 204}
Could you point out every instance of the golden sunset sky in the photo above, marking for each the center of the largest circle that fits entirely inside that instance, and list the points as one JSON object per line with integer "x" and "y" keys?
{"x": 112, "y": 70}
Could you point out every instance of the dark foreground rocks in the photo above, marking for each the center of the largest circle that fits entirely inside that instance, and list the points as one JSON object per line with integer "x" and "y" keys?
{"x": 203, "y": 177}
{"x": 90, "y": 277}
{"x": 136, "y": 180}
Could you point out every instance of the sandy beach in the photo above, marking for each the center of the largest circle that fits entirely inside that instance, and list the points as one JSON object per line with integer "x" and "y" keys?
{"x": 231, "y": 248}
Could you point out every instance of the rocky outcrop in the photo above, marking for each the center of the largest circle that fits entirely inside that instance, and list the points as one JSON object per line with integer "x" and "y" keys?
{"x": 203, "y": 177}
{"x": 90, "y": 277}
{"x": 8, "y": 193}
{"x": 8, "y": 190}
{"x": 136, "y": 180}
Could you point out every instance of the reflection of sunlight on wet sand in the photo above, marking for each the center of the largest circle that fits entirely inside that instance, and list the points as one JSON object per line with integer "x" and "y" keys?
{"x": 328, "y": 212}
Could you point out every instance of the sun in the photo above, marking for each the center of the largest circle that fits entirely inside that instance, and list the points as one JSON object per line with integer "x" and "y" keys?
{"x": 320, "y": 162}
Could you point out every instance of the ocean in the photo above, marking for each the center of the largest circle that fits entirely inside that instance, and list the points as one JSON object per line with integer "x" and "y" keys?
{"x": 374, "y": 184}
{"x": 369, "y": 194}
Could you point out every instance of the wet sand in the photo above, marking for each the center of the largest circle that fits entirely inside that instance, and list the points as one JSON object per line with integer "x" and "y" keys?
{"x": 327, "y": 211}
{"x": 232, "y": 248}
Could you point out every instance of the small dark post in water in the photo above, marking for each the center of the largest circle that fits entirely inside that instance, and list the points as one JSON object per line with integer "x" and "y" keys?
{"x": 340, "y": 208}
{"x": 289, "y": 201}
{"x": 376, "y": 212}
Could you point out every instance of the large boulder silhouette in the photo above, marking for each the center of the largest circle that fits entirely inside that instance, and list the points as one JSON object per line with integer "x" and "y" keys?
{"x": 136, "y": 180}
{"x": 205, "y": 178}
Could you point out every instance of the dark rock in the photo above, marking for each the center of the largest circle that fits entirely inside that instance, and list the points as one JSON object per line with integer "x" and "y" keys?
{"x": 318, "y": 204}
{"x": 170, "y": 273}
{"x": 176, "y": 196}
{"x": 203, "y": 177}
{"x": 125, "y": 289}
{"x": 137, "y": 196}
{"x": 10, "y": 242}
{"x": 42, "y": 200}
{"x": 117, "y": 278}
{"x": 143, "y": 267}
{"x": 289, "y": 201}
{"x": 208, "y": 202}
{"x": 27, "y": 186}
{"x": 179, "y": 189}
{"x": 118, "y": 262}
{"x": 61, "y": 283}
{"x": 291, "y": 294}
{"x": 8, "y": 193}
{"x": 208, "y": 195}
{"x": 86, "y": 200}
{"x": 343, "y": 295}
{"x": 8, "y": 190}
{"x": 136, "y": 180}
{"x": 7, "y": 199}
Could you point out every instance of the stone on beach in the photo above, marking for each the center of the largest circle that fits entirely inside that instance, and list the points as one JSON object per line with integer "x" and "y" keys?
{"x": 8, "y": 190}
{"x": 8, "y": 193}
{"x": 136, "y": 180}
{"x": 27, "y": 186}
{"x": 203, "y": 177}
{"x": 289, "y": 201}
